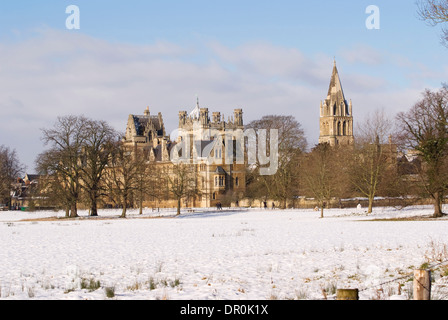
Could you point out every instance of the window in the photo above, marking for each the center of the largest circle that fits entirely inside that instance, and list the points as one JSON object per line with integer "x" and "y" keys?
{"x": 220, "y": 181}
{"x": 237, "y": 182}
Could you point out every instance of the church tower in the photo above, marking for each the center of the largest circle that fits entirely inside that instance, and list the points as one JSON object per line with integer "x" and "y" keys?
{"x": 336, "y": 118}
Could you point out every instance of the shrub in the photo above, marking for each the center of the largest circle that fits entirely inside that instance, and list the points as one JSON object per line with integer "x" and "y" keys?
{"x": 110, "y": 292}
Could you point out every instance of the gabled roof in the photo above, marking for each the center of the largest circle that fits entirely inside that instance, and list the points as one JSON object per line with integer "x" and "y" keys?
{"x": 220, "y": 170}
{"x": 158, "y": 151}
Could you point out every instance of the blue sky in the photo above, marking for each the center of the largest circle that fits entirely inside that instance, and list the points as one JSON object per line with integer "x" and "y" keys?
{"x": 267, "y": 57}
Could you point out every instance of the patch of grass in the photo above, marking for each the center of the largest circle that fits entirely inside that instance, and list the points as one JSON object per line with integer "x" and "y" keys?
{"x": 444, "y": 272}
{"x": 90, "y": 284}
{"x": 424, "y": 266}
{"x": 137, "y": 285}
{"x": 31, "y": 293}
{"x": 109, "y": 291}
{"x": 175, "y": 283}
{"x": 330, "y": 288}
{"x": 152, "y": 284}
{"x": 301, "y": 294}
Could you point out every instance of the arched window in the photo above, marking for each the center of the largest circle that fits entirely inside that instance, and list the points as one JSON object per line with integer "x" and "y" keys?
{"x": 344, "y": 128}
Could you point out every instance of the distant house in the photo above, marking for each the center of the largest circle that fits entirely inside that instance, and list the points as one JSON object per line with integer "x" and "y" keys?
{"x": 23, "y": 194}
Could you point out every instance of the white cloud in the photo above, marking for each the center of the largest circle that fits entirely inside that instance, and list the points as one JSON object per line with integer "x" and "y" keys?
{"x": 362, "y": 53}
{"x": 58, "y": 73}
{"x": 269, "y": 61}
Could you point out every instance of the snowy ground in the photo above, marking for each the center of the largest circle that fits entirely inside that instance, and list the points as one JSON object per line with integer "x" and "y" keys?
{"x": 246, "y": 254}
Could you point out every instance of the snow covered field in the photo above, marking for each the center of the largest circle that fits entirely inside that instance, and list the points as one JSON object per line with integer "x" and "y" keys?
{"x": 231, "y": 254}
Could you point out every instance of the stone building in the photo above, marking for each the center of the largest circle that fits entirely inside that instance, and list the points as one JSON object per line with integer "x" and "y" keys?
{"x": 200, "y": 143}
{"x": 24, "y": 193}
{"x": 336, "y": 117}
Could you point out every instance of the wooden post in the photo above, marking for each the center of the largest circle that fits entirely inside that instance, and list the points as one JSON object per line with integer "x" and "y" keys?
{"x": 422, "y": 284}
{"x": 347, "y": 294}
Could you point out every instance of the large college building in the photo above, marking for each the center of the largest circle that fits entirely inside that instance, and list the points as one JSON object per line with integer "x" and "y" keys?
{"x": 218, "y": 180}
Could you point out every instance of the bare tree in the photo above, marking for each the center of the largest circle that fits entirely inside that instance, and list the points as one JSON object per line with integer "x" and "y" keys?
{"x": 424, "y": 128}
{"x": 319, "y": 174}
{"x": 181, "y": 182}
{"x": 435, "y": 12}
{"x": 283, "y": 185}
{"x": 122, "y": 175}
{"x": 371, "y": 155}
{"x": 54, "y": 192}
{"x": 97, "y": 147}
{"x": 10, "y": 170}
{"x": 148, "y": 179}
{"x": 63, "y": 158}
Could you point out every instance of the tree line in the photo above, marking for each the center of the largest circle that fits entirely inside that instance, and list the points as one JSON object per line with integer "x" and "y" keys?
{"x": 86, "y": 161}
{"x": 370, "y": 168}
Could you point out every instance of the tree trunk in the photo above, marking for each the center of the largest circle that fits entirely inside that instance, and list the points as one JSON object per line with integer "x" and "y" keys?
{"x": 437, "y": 205}
{"x": 123, "y": 212}
{"x": 73, "y": 211}
{"x": 94, "y": 209}
{"x": 178, "y": 206}
{"x": 124, "y": 204}
{"x": 370, "y": 205}
{"x": 322, "y": 209}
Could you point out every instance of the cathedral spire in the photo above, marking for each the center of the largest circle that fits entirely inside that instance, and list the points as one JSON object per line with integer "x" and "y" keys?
{"x": 335, "y": 91}
{"x": 336, "y": 120}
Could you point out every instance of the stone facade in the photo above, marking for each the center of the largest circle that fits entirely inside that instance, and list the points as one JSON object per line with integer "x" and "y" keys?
{"x": 336, "y": 118}
{"x": 218, "y": 179}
